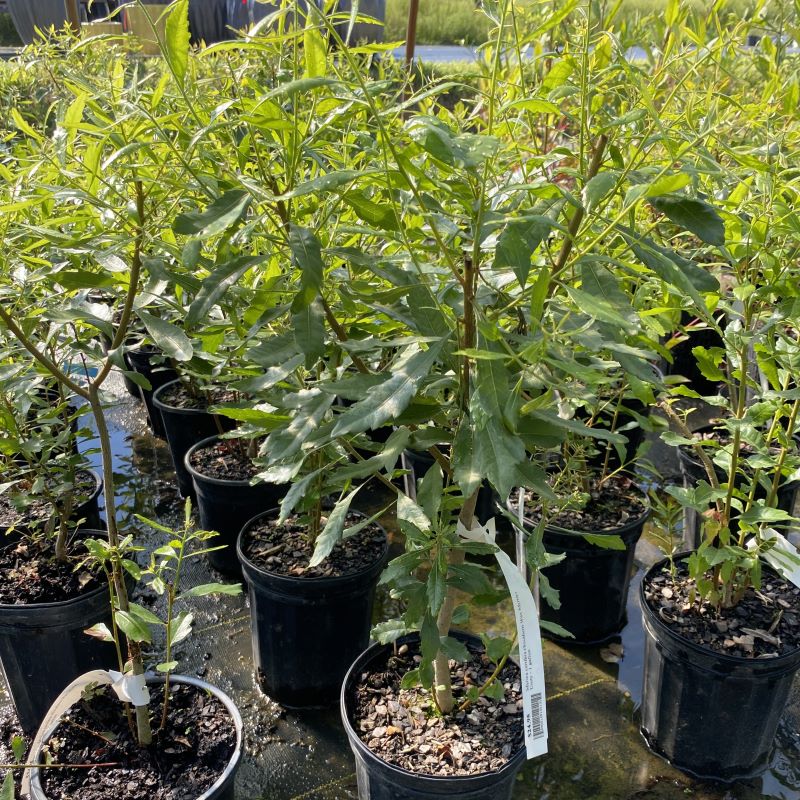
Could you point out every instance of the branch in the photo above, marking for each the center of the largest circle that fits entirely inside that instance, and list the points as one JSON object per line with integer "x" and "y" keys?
{"x": 46, "y": 362}
{"x": 341, "y": 335}
{"x": 133, "y": 286}
{"x": 580, "y": 213}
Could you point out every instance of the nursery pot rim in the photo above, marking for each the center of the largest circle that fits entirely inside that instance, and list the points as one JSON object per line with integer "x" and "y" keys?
{"x": 162, "y": 406}
{"x": 287, "y": 581}
{"x": 103, "y": 587}
{"x": 571, "y": 532}
{"x": 195, "y": 473}
{"x": 36, "y": 786}
{"x": 355, "y": 740}
{"x": 650, "y": 617}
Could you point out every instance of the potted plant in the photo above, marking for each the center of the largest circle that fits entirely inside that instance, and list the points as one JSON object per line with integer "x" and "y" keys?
{"x": 719, "y": 618}
{"x": 224, "y": 472}
{"x": 197, "y": 723}
{"x": 62, "y": 333}
{"x": 313, "y": 563}
{"x": 48, "y": 504}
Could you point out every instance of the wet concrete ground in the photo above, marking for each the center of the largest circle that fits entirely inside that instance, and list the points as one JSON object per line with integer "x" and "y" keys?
{"x": 595, "y": 749}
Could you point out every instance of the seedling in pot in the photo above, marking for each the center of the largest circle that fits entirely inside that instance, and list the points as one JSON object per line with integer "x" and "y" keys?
{"x": 163, "y": 576}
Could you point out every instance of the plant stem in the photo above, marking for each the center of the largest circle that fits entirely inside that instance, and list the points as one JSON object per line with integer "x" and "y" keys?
{"x": 143, "y": 729}
{"x": 443, "y": 686}
{"x": 577, "y": 217}
{"x": 493, "y": 677}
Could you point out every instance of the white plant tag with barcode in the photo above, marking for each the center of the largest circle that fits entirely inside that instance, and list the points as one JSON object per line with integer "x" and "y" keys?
{"x": 530, "y": 643}
{"x": 782, "y": 556}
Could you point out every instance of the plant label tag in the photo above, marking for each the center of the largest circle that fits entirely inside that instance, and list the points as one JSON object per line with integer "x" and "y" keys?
{"x": 130, "y": 688}
{"x": 782, "y": 556}
{"x": 529, "y": 638}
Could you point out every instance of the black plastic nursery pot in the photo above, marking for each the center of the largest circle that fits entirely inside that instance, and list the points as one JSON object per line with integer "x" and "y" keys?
{"x": 223, "y": 788}
{"x": 379, "y": 780}
{"x": 226, "y": 505}
{"x": 142, "y": 360}
{"x": 711, "y": 715}
{"x": 184, "y": 427}
{"x": 307, "y": 631}
{"x": 88, "y": 512}
{"x": 43, "y": 648}
{"x": 592, "y": 581}
{"x": 693, "y": 471}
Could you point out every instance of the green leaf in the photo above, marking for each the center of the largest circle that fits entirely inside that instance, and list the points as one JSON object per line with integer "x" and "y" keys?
{"x": 607, "y": 541}
{"x": 708, "y": 361}
{"x": 429, "y": 638}
{"x": 555, "y": 629}
{"x": 436, "y": 588}
{"x": 7, "y": 789}
{"x": 323, "y": 183}
{"x": 177, "y": 38}
{"x": 307, "y": 254}
{"x": 72, "y": 279}
{"x": 495, "y": 690}
{"x": 171, "y": 339}
{"x": 469, "y": 578}
{"x": 409, "y": 511}
{"x": 100, "y": 631}
{"x": 606, "y": 299}
{"x": 760, "y": 513}
{"x": 454, "y": 648}
{"x": 212, "y": 588}
{"x": 133, "y": 628}
{"x": 597, "y": 188}
{"x": 167, "y": 666}
{"x": 536, "y": 105}
{"x": 332, "y": 532}
{"x": 308, "y": 324}
{"x": 518, "y": 242}
{"x": 598, "y": 308}
{"x": 382, "y": 215}
{"x": 18, "y": 748}
{"x": 497, "y": 647}
{"x": 284, "y": 443}
{"x": 693, "y": 215}
{"x": 466, "y": 470}
{"x": 224, "y": 212}
{"x": 498, "y": 455}
{"x": 429, "y": 493}
{"x": 672, "y": 268}
{"x": 388, "y": 399}
{"x": 408, "y": 681}
{"x": 390, "y": 631}
{"x": 180, "y": 628}
{"x": 216, "y": 285}
{"x": 143, "y": 614}
{"x": 668, "y": 183}
{"x": 314, "y": 50}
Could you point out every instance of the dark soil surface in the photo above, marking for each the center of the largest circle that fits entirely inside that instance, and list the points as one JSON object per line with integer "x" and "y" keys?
{"x": 226, "y": 460}
{"x": 185, "y": 760}
{"x": 179, "y": 396}
{"x": 615, "y": 503}
{"x": 29, "y": 573}
{"x": 765, "y": 624}
{"x": 285, "y": 550}
{"x": 401, "y": 725}
{"x": 39, "y": 510}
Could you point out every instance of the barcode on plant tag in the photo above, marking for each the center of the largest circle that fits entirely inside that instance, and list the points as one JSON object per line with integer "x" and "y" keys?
{"x": 537, "y": 716}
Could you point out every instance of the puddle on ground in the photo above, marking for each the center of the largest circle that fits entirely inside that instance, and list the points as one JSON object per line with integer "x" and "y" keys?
{"x": 596, "y": 750}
